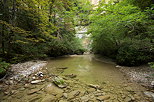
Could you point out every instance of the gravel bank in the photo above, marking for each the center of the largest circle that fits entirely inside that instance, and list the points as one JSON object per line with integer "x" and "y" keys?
{"x": 141, "y": 74}
{"x": 21, "y": 70}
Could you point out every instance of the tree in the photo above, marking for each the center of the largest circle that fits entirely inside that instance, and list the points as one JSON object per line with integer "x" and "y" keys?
{"x": 123, "y": 32}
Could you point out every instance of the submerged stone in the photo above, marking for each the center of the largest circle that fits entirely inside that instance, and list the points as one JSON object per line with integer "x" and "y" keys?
{"x": 102, "y": 98}
{"x": 52, "y": 89}
{"x": 48, "y": 98}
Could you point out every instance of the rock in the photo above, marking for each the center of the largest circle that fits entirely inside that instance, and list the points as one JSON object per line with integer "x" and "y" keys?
{"x": 85, "y": 98}
{"x": 73, "y": 94}
{"x": 26, "y": 85}
{"x": 98, "y": 94}
{"x": 14, "y": 91}
{"x": 117, "y": 66}
{"x": 36, "y": 81}
{"x": 152, "y": 83}
{"x": 49, "y": 98}
{"x": 34, "y": 77}
{"x": 102, "y": 98}
{"x": 123, "y": 96}
{"x": 58, "y": 81}
{"x": 128, "y": 99}
{"x": 11, "y": 82}
{"x": 71, "y": 76}
{"x": 52, "y": 89}
{"x": 35, "y": 99}
{"x": 40, "y": 74}
{"x": 91, "y": 89}
{"x": 33, "y": 91}
{"x": 94, "y": 86}
{"x": 21, "y": 89}
{"x": 65, "y": 95}
{"x": 129, "y": 89}
{"x": 149, "y": 94}
{"x": 58, "y": 96}
{"x": 62, "y": 101}
{"x": 63, "y": 68}
{"x": 6, "y": 93}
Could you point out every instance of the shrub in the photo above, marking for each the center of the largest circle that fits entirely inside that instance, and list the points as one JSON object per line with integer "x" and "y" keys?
{"x": 130, "y": 56}
{"x": 3, "y": 68}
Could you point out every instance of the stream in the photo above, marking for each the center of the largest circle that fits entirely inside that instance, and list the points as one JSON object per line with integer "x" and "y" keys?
{"x": 96, "y": 80}
{"x": 92, "y": 70}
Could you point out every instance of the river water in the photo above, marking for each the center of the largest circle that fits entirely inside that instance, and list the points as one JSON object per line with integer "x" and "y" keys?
{"x": 92, "y": 70}
{"x": 89, "y": 70}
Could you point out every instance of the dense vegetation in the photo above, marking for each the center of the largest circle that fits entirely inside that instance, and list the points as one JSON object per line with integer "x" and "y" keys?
{"x": 124, "y": 30}
{"x": 32, "y": 29}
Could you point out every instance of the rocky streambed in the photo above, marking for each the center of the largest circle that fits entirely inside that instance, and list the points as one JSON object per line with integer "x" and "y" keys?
{"x": 68, "y": 79}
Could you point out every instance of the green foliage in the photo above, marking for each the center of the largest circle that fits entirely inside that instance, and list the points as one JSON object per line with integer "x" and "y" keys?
{"x": 131, "y": 56}
{"x": 3, "y": 68}
{"x": 65, "y": 46}
{"x": 33, "y": 29}
{"x": 123, "y": 32}
{"x": 151, "y": 64}
{"x": 141, "y": 3}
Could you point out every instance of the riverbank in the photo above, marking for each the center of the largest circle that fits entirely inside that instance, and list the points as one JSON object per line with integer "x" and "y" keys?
{"x": 20, "y": 71}
{"x": 143, "y": 74}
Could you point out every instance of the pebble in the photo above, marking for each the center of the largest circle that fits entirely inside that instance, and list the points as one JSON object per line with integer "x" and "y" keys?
{"x": 36, "y": 81}
{"x": 73, "y": 94}
{"x": 128, "y": 99}
{"x": 32, "y": 91}
{"x": 65, "y": 95}
{"x": 62, "y": 101}
{"x": 94, "y": 86}
{"x": 152, "y": 83}
{"x": 102, "y": 98}
{"x": 85, "y": 98}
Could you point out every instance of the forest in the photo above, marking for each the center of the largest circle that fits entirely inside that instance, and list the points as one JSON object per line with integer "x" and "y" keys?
{"x": 124, "y": 30}
{"x": 36, "y": 29}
